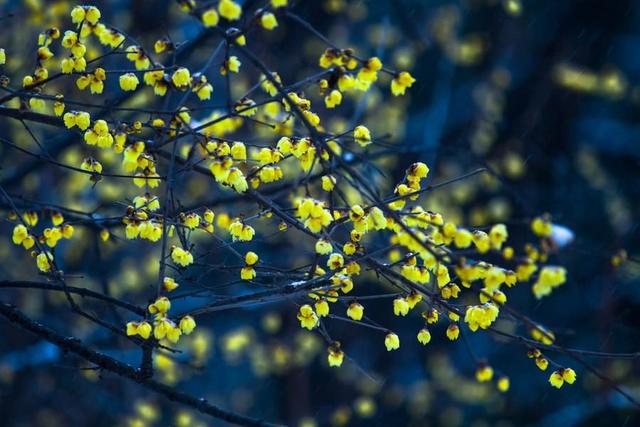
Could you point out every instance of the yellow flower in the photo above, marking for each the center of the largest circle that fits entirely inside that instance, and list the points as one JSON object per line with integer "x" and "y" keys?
{"x": 136, "y": 55}
{"x": 132, "y": 328}
{"x": 247, "y": 273}
{"x": 268, "y": 21}
{"x": 401, "y": 82}
{"x": 323, "y": 247}
{"x": 3, "y": 57}
{"x": 239, "y": 151}
{"x": 413, "y": 299}
{"x": 233, "y": 64}
{"x": 173, "y": 332}
{"x": 541, "y": 226}
{"x": 400, "y": 307}
{"x": 181, "y": 257}
{"x": 424, "y": 336}
{"x": 481, "y": 316}
{"x": 463, "y": 238}
{"x": 278, "y": 3}
{"x": 210, "y": 18}
{"x": 484, "y": 373}
{"x": 333, "y": 99}
{"x": 19, "y": 234}
{"x": 92, "y": 15}
{"x": 362, "y": 135}
{"x": 568, "y": 375}
{"x": 181, "y": 77}
{"x": 336, "y": 355}
{"x": 187, "y": 325}
{"x": 44, "y": 261}
{"x": 128, "y": 82}
{"x": 453, "y": 331}
{"x": 229, "y": 9}
{"x": 161, "y": 305}
{"x": 322, "y": 307}
{"x": 169, "y": 284}
{"x": 240, "y": 231}
{"x": 99, "y": 135}
{"x": 556, "y": 379}
{"x": 549, "y": 278}
{"x": 498, "y": 235}
{"x": 355, "y": 311}
{"x": 335, "y": 261}
{"x": 307, "y": 317}
{"x": 328, "y": 182}
{"x": 542, "y": 363}
{"x": 77, "y": 118}
{"x": 503, "y": 384}
{"x": 77, "y": 14}
{"x": 391, "y": 341}
{"x": 144, "y": 330}
{"x": 250, "y": 258}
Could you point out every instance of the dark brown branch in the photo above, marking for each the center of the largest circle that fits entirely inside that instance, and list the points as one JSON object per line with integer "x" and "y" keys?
{"x": 110, "y": 364}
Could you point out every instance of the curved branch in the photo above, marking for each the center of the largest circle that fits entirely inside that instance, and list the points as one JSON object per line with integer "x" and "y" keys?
{"x": 110, "y": 364}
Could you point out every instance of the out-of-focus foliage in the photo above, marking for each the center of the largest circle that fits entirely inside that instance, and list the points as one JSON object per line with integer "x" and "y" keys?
{"x": 324, "y": 212}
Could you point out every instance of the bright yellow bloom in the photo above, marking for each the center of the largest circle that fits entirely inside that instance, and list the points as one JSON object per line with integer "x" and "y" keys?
{"x": 542, "y": 226}
{"x": 335, "y": 261}
{"x": 92, "y": 15}
{"x": 391, "y": 341}
{"x": 161, "y": 305}
{"x": 328, "y": 182}
{"x": 453, "y": 331}
{"x": 481, "y": 316}
{"x": 362, "y": 136}
{"x": 247, "y": 273}
{"x": 307, "y": 317}
{"x": 333, "y": 99}
{"x": 323, "y": 247}
{"x": 355, "y": 311}
{"x": 401, "y": 82}
{"x": 229, "y": 9}
{"x": 268, "y": 21}
{"x": 210, "y": 18}
{"x": 503, "y": 384}
{"x": 556, "y": 379}
{"x": 542, "y": 363}
{"x": 568, "y": 375}
{"x": 463, "y": 238}
{"x": 413, "y": 299}
{"x": 99, "y": 135}
{"x": 169, "y": 284}
{"x": 187, "y": 325}
{"x": 144, "y": 330}
{"x": 484, "y": 373}
{"x": 44, "y": 261}
{"x": 77, "y": 118}
{"x": 239, "y": 151}
{"x": 181, "y": 257}
{"x": 322, "y": 307}
{"x": 424, "y": 336}
{"x": 250, "y": 258}
{"x": 549, "y": 278}
{"x": 128, "y": 82}
{"x": 240, "y": 231}
{"x": 278, "y": 3}
{"x": 400, "y": 307}
{"x": 336, "y": 355}
{"x": 181, "y": 77}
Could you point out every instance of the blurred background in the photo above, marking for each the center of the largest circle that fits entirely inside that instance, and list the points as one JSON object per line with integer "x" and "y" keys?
{"x": 544, "y": 94}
